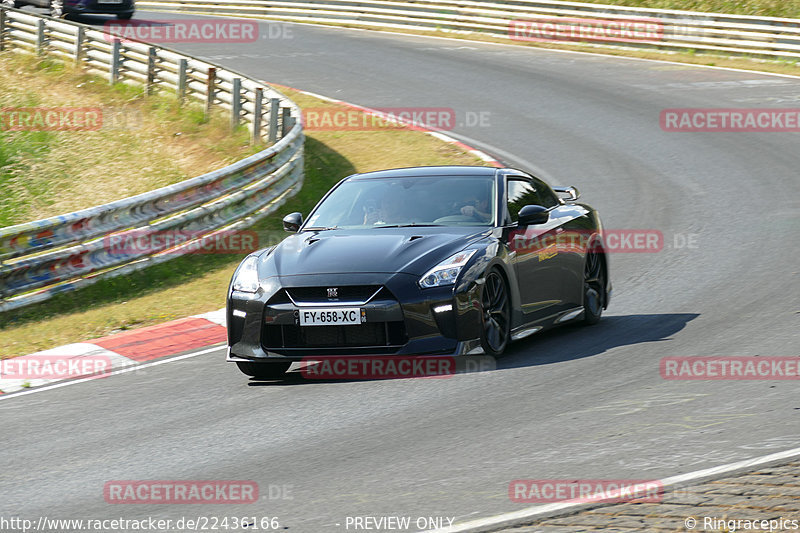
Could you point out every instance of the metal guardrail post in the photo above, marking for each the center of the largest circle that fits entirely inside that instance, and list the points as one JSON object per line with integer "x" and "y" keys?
{"x": 210, "y": 90}
{"x": 115, "y": 61}
{"x": 286, "y": 121}
{"x": 236, "y": 103}
{"x": 60, "y": 252}
{"x": 151, "y": 70}
{"x": 776, "y": 37}
{"x": 273, "y": 119}
{"x": 257, "y": 112}
{"x": 2, "y": 29}
{"x": 80, "y": 37}
{"x": 182, "y": 66}
{"x": 40, "y": 37}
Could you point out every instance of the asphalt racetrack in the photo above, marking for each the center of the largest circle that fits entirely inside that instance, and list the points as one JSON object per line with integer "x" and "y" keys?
{"x": 574, "y": 403}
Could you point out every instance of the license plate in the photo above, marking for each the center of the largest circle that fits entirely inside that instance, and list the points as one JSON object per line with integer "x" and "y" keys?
{"x": 337, "y": 316}
{"x": 109, "y": 1}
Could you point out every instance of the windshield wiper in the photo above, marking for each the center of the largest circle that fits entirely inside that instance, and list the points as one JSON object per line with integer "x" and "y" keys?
{"x": 320, "y": 228}
{"x": 408, "y": 226}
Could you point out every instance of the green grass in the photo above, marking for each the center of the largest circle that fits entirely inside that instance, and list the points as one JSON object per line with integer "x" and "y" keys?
{"x": 145, "y": 142}
{"x": 324, "y": 167}
{"x": 763, "y": 8}
{"x": 16, "y": 153}
{"x": 197, "y": 283}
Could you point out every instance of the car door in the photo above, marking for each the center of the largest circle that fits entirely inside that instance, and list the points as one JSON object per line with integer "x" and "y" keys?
{"x": 536, "y": 248}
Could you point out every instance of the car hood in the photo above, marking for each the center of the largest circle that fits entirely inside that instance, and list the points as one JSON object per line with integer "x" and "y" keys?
{"x": 390, "y": 250}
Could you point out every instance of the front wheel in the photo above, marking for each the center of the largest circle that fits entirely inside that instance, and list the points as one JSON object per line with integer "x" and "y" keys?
{"x": 496, "y": 314}
{"x": 594, "y": 287}
{"x": 270, "y": 370}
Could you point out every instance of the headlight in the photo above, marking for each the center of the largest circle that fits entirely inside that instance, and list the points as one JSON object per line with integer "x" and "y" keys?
{"x": 446, "y": 272}
{"x": 246, "y": 279}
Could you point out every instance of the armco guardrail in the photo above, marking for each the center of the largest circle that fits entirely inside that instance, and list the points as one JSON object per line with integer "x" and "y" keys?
{"x": 42, "y": 258}
{"x": 675, "y": 30}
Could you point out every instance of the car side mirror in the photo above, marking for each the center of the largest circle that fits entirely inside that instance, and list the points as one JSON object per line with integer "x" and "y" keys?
{"x": 533, "y": 214}
{"x": 570, "y": 194}
{"x": 292, "y": 222}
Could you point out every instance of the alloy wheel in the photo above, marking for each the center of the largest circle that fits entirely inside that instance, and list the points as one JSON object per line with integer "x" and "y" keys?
{"x": 496, "y": 314}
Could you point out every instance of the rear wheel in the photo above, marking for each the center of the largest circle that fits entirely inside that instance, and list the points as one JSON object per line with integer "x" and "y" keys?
{"x": 496, "y": 314}
{"x": 270, "y": 370}
{"x": 125, "y": 16}
{"x": 594, "y": 287}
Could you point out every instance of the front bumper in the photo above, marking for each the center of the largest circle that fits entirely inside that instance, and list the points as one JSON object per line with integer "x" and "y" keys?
{"x": 401, "y": 319}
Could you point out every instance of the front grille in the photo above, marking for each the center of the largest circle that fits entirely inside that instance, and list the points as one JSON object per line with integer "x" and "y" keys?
{"x": 384, "y": 332}
{"x": 374, "y": 334}
{"x": 345, "y": 293}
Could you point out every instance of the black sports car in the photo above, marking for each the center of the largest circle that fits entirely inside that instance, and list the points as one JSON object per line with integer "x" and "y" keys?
{"x": 123, "y": 9}
{"x": 419, "y": 261}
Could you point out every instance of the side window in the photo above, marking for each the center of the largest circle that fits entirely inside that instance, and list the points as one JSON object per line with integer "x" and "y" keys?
{"x": 520, "y": 194}
{"x": 547, "y": 197}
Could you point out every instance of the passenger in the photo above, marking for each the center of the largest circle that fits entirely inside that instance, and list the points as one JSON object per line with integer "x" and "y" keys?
{"x": 390, "y": 211}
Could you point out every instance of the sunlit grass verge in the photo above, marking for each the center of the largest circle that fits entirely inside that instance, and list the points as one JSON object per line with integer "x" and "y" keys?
{"x": 197, "y": 283}
{"x": 760, "y": 8}
{"x": 142, "y": 143}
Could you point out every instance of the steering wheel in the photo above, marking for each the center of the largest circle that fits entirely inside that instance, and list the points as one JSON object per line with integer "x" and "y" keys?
{"x": 455, "y": 218}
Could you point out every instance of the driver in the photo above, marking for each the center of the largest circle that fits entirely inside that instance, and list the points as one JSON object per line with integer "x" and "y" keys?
{"x": 390, "y": 210}
{"x": 476, "y": 206}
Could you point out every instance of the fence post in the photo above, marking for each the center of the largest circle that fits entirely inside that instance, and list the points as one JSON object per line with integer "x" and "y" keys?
{"x": 182, "y": 64}
{"x": 2, "y": 29}
{"x": 79, "y": 38}
{"x": 257, "y": 115}
{"x": 151, "y": 69}
{"x": 273, "y": 119}
{"x": 236, "y": 103}
{"x": 210, "y": 83}
{"x": 286, "y": 121}
{"x": 40, "y": 37}
{"x": 115, "y": 60}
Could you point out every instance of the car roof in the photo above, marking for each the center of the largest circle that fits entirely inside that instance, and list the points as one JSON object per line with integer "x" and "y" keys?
{"x": 434, "y": 171}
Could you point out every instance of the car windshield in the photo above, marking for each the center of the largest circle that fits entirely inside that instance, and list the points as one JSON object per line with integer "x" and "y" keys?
{"x": 399, "y": 202}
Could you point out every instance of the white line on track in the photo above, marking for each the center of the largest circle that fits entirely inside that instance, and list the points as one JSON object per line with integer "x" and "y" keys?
{"x": 521, "y": 46}
{"x": 540, "y": 512}
{"x": 112, "y": 373}
{"x": 530, "y": 513}
{"x": 447, "y": 135}
{"x": 505, "y": 156}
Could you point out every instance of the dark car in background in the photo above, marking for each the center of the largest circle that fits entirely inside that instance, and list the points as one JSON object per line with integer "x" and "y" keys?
{"x": 123, "y": 9}
{"x": 419, "y": 261}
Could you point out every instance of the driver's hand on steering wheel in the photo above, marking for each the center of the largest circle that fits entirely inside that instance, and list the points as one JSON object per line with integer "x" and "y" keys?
{"x": 472, "y": 211}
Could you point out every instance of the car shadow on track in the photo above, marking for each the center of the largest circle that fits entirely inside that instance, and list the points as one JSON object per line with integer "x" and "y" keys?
{"x": 553, "y": 346}
{"x": 571, "y": 342}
